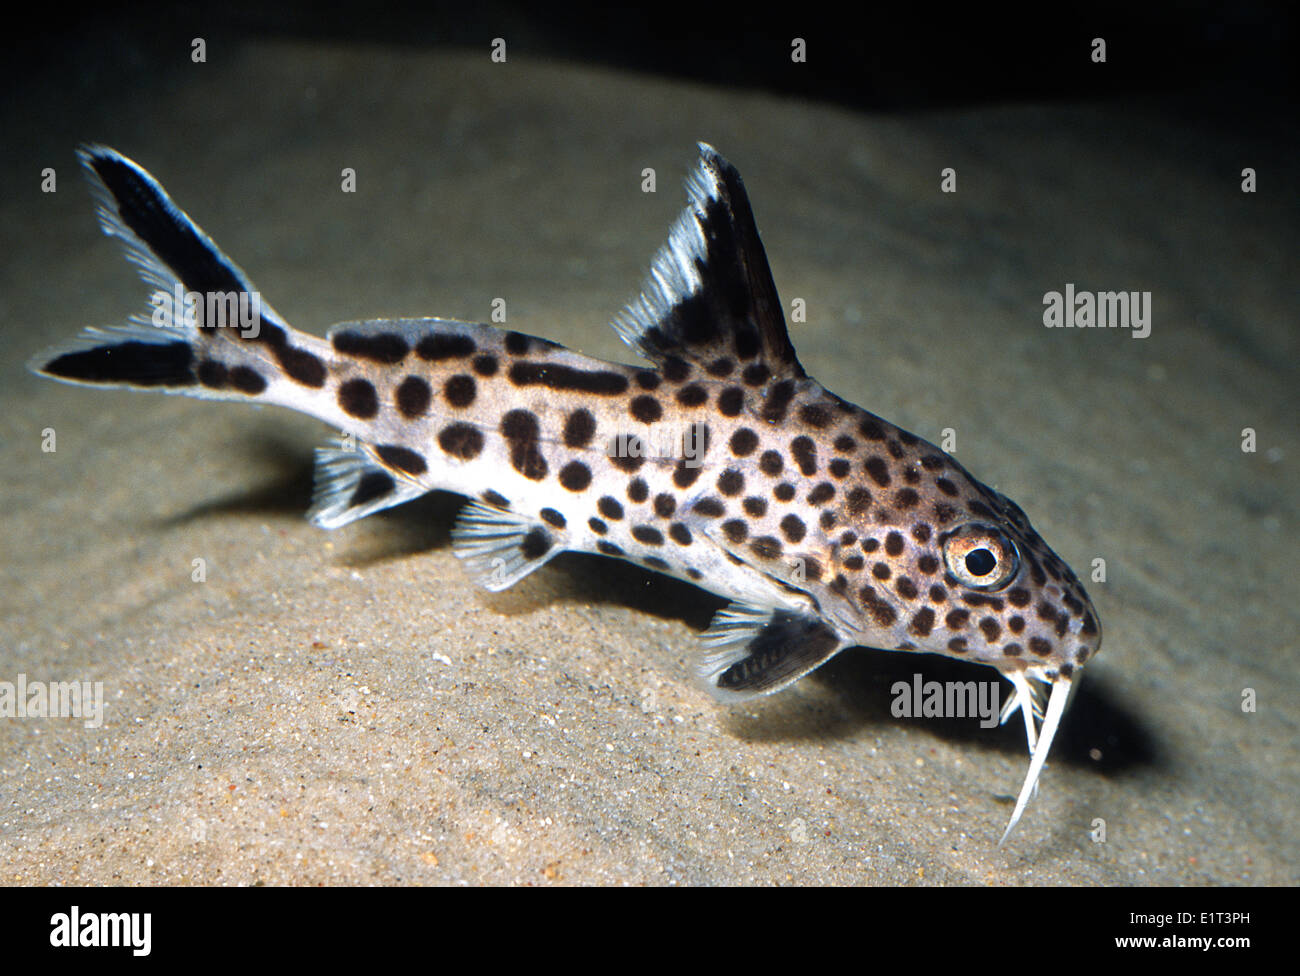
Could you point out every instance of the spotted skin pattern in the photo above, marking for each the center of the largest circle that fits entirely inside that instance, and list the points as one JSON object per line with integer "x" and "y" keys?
{"x": 723, "y": 463}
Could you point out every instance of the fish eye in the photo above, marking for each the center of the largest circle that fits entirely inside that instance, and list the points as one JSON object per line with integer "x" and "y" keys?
{"x": 981, "y": 556}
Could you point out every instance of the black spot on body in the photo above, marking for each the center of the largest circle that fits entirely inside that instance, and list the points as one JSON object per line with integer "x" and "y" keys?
{"x": 556, "y": 376}
{"x": 766, "y": 547}
{"x": 731, "y": 482}
{"x": 597, "y": 526}
{"x": 382, "y": 347}
{"x": 247, "y": 380}
{"x": 756, "y": 374}
{"x": 413, "y": 396}
{"x": 627, "y": 452}
{"x": 709, "y": 508}
{"x": 537, "y": 543}
{"x": 721, "y": 367}
{"x": 485, "y": 365}
{"x": 731, "y": 401}
{"x": 777, "y": 401}
{"x": 821, "y": 494}
{"x": 804, "y": 452}
{"x": 878, "y": 469}
{"x": 610, "y": 508}
{"x": 553, "y": 518}
{"x": 438, "y": 346}
{"x": 857, "y": 501}
{"x": 579, "y": 428}
{"x": 815, "y": 415}
{"x": 608, "y": 548}
{"x": 793, "y": 528}
{"x": 665, "y": 505}
{"x": 871, "y": 429}
{"x": 676, "y": 369}
{"x": 357, "y": 398}
{"x": 771, "y": 463}
{"x": 300, "y": 365}
{"x": 402, "y": 458}
{"x": 735, "y": 530}
{"x": 646, "y": 409}
{"x": 637, "y": 490}
{"x": 923, "y": 622}
{"x": 692, "y": 395}
{"x": 575, "y": 476}
{"x": 647, "y": 535}
{"x": 648, "y": 379}
{"x": 461, "y": 440}
{"x": 523, "y": 434}
{"x": 212, "y": 374}
{"x": 743, "y": 442}
{"x": 755, "y": 506}
{"x": 680, "y": 534}
{"x": 460, "y": 390}
{"x": 905, "y": 587}
{"x": 686, "y": 473}
{"x": 518, "y": 344}
{"x": 783, "y": 492}
{"x": 881, "y": 612}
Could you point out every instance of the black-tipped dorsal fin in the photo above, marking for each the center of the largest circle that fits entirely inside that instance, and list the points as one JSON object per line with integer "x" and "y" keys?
{"x": 709, "y": 297}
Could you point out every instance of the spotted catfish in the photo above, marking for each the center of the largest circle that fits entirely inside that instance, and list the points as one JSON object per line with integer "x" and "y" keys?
{"x": 724, "y": 463}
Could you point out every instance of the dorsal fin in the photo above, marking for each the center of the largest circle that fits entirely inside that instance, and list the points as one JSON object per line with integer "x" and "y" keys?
{"x": 709, "y": 297}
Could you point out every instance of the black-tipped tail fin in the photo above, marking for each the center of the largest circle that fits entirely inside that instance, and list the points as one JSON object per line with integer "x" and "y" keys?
{"x": 206, "y": 331}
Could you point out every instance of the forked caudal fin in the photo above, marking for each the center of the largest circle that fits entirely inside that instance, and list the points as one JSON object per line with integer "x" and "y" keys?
{"x": 206, "y": 333}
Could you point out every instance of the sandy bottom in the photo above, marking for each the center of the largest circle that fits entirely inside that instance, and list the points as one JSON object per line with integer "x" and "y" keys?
{"x": 349, "y": 708}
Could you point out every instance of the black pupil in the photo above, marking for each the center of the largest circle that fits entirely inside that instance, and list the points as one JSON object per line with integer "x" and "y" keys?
{"x": 980, "y": 562}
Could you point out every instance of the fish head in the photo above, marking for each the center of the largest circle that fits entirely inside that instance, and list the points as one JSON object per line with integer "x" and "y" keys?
{"x": 927, "y": 558}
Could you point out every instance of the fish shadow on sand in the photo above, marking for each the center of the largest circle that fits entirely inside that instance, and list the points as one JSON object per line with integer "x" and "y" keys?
{"x": 854, "y": 691}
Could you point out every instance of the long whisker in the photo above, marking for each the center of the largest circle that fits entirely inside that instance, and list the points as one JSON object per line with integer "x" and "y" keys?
{"x": 1055, "y": 709}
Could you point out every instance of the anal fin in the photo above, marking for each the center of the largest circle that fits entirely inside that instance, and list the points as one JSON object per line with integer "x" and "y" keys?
{"x": 350, "y": 484}
{"x": 499, "y": 548}
{"x": 756, "y": 651}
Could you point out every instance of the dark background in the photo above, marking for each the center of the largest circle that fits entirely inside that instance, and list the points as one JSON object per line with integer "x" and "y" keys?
{"x": 1234, "y": 62}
